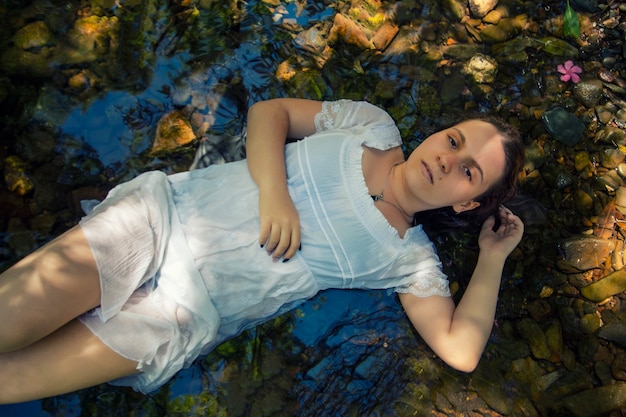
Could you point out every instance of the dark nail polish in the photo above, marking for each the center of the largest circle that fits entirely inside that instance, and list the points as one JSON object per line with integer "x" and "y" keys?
{"x": 261, "y": 245}
{"x": 300, "y": 247}
{"x": 285, "y": 260}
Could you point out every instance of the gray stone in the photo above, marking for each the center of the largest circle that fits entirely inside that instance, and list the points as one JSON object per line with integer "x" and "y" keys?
{"x": 563, "y": 125}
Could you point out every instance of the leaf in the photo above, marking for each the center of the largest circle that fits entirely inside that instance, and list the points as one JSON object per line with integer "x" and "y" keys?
{"x": 571, "y": 26}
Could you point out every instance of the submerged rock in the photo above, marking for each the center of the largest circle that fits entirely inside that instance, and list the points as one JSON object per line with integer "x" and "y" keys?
{"x": 174, "y": 130}
{"x": 563, "y": 125}
{"x": 608, "y": 286}
{"x": 16, "y": 177}
{"x": 481, "y": 68}
{"x": 583, "y": 253}
{"x": 597, "y": 401}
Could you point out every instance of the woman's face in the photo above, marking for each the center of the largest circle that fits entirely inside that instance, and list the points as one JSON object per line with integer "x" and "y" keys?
{"x": 455, "y": 166}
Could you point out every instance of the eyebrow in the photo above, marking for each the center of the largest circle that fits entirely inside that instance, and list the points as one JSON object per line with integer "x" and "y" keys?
{"x": 472, "y": 160}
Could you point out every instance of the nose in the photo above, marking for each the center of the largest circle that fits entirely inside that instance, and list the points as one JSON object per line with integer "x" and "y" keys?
{"x": 444, "y": 162}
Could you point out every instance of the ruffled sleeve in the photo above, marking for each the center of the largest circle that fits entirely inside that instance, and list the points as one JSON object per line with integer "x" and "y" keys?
{"x": 373, "y": 125}
{"x": 427, "y": 282}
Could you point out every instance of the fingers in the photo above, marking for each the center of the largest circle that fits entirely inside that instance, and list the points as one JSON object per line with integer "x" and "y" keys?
{"x": 280, "y": 241}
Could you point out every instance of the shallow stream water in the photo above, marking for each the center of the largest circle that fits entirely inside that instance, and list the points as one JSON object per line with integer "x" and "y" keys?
{"x": 93, "y": 93}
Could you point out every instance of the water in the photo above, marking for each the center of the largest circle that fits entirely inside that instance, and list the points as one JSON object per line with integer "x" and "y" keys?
{"x": 342, "y": 353}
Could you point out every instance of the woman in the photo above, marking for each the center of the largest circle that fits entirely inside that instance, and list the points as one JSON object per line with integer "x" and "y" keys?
{"x": 166, "y": 268}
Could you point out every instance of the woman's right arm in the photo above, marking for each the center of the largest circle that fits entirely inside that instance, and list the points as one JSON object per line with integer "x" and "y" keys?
{"x": 270, "y": 123}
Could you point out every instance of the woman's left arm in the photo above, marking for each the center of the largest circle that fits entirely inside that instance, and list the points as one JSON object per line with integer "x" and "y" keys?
{"x": 458, "y": 335}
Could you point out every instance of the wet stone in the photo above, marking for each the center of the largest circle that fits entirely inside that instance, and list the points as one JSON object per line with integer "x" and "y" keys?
{"x": 606, "y": 287}
{"x": 480, "y": 8}
{"x": 610, "y": 158}
{"x": 589, "y": 92}
{"x": 583, "y": 253}
{"x": 563, "y": 125}
{"x": 618, "y": 367}
{"x": 16, "y": 176}
{"x": 614, "y": 332}
{"x": 597, "y": 401}
{"x": 534, "y": 336}
{"x": 481, "y": 68}
{"x": 33, "y": 35}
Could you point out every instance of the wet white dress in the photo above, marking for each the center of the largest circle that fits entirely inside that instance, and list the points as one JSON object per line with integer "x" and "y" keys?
{"x": 180, "y": 264}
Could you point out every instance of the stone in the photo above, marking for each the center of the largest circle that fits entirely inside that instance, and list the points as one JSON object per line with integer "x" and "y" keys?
{"x": 33, "y": 35}
{"x": 597, "y": 401}
{"x": 348, "y": 31}
{"x": 480, "y": 8}
{"x": 589, "y": 92}
{"x": 610, "y": 285}
{"x": 582, "y": 253}
{"x": 611, "y": 157}
{"x": 16, "y": 176}
{"x": 535, "y": 337}
{"x": 614, "y": 332}
{"x": 173, "y": 130}
{"x": 481, "y": 68}
{"x": 563, "y": 125}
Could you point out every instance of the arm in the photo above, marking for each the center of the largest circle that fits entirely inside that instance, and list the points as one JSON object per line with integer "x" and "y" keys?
{"x": 270, "y": 123}
{"x": 459, "y": 335}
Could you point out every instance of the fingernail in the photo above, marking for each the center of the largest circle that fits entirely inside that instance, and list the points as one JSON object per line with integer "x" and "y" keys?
{"x": 285, "y": 260}
{"x": 300, "y": 247}
{"x": 261, "y": 245}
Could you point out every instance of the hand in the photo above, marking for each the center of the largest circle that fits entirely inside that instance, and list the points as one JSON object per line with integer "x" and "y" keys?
{"x": 280, "y": 224}
{"x": 505, "y": 238}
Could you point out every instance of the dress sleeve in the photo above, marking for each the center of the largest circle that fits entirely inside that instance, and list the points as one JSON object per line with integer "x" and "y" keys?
{"x": 428, "y": 282}
{"x": 372, "y": 124}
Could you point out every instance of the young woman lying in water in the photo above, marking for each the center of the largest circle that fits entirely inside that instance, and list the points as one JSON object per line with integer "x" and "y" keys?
{"x": 168, "y": 267}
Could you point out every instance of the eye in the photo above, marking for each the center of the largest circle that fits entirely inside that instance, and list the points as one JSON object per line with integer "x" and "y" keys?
{"x": 468, "y": 172}
{"x": 452, "y": 142}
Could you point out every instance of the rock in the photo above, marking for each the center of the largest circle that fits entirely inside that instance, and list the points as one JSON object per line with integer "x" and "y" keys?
{"x": 384, "y": 35}
{"x": 480, "y": 8}
{"x": 36, "y": 145}
{"x": 173, "y": 131}
{"x": 348, "y": 31}
{"x": 16, "y": 176}
{"x": 610, "y": 158}
{"x": 610, "y": 285}
{"x": 20, "y": 239}
{"x": 589, "y": 92}
{"x": 597, "y": 401}
{"x": 563, "y": 125}
{"x": 26, "y": 63}
{"x": 534, "y": 336}
{"x": 559, "y": 47}
{"x": 618, "y": 367}
{"x": 614, "y": 332}
{"x": 33, "y": 35}
{"x": 583, "y": 253}
{"x": 505, "y": 30}
{"x": 481, "y": 68}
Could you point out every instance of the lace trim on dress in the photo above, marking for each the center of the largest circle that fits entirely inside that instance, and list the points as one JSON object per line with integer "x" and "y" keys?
{"x": 427, "y": 284}
{"x": 325, "y": 119}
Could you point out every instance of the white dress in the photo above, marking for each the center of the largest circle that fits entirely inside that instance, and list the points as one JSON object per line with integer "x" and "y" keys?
{"x": 180, "y": 264}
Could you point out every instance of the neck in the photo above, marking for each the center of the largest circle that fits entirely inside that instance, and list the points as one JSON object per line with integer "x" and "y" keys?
{"x": 390, "y": 195}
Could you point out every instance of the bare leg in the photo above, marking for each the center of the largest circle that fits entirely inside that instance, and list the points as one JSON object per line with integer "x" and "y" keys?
{"x": 47, "y": 289}
{"x": 69, "y": 359}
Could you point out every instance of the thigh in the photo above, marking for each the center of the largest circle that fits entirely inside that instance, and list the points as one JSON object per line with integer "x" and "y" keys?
{"x": 67, "y": 360}
{"x": 47, "y": 289}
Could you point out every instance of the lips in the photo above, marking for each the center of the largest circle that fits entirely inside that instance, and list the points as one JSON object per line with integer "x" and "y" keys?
{"x": 427, "y": 172}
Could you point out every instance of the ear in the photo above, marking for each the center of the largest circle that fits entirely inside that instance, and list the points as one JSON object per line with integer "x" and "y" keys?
{"x": 470, "y": 205}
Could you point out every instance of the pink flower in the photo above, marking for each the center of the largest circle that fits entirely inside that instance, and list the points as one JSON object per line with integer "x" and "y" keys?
{"x": 569, "y": 71}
